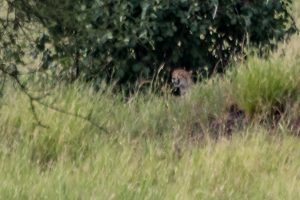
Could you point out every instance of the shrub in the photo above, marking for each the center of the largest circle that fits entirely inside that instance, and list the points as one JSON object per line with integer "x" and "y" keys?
{"x": 128, "y": 40}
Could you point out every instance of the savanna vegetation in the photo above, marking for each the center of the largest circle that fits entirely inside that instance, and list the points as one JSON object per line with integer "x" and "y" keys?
{"x": 233, "y": 136}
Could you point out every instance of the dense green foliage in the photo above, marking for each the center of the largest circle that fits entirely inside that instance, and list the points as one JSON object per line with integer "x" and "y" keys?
{"x": 131, "y": 39}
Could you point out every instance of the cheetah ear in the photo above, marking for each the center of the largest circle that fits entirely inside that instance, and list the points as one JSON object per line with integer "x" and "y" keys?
{"x": 190, "y": 71}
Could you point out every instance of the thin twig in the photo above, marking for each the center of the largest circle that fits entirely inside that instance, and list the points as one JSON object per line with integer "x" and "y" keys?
{"x": 3, "y": 83}
{"x": 215, "y": 11}
{"x": 85, "y": 118}
{"x": 34, "y": 113}
{"x": 39, "y": 101}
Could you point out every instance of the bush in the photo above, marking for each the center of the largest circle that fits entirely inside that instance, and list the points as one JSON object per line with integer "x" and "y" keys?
{"x": 128, "y": 40}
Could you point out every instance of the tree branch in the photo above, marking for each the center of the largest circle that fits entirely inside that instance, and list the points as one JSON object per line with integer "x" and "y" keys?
{"x": 38, "y": 100}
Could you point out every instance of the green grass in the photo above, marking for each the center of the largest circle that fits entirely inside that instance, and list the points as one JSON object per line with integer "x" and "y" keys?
{"x": 159, "y": 147}
{"x": 150, "y": 150}
{"x": 252, "y": 166}
{"x": 261, "y": 86}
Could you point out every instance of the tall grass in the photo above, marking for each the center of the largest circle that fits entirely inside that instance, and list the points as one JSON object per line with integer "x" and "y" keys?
{"x": 265, "y": 86}
{"x": 250, "y": 167}
{"x": 150, "y": 150}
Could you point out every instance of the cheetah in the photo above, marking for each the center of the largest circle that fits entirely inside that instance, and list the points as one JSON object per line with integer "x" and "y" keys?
{"x": 181, "y": 81}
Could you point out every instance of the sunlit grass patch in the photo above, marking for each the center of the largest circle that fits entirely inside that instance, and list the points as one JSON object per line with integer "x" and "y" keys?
{"x": 250, "y": 166}
{"x": 264, "y": 86}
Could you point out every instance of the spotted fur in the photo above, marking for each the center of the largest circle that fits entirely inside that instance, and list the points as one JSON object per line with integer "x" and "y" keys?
{"x": 181, "y": 81}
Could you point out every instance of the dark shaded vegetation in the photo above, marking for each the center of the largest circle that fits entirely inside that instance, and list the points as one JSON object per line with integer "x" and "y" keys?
{"x": 128, "y": 41}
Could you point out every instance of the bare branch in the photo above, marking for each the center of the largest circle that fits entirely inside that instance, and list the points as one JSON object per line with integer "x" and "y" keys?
{"x": 33, "y": 110}
{"x": 38, "y": 100}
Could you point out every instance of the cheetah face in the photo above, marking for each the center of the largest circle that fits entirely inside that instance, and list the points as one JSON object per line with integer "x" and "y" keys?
{"x": 181, "y": 81}
{"x": 176, "y": 82}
